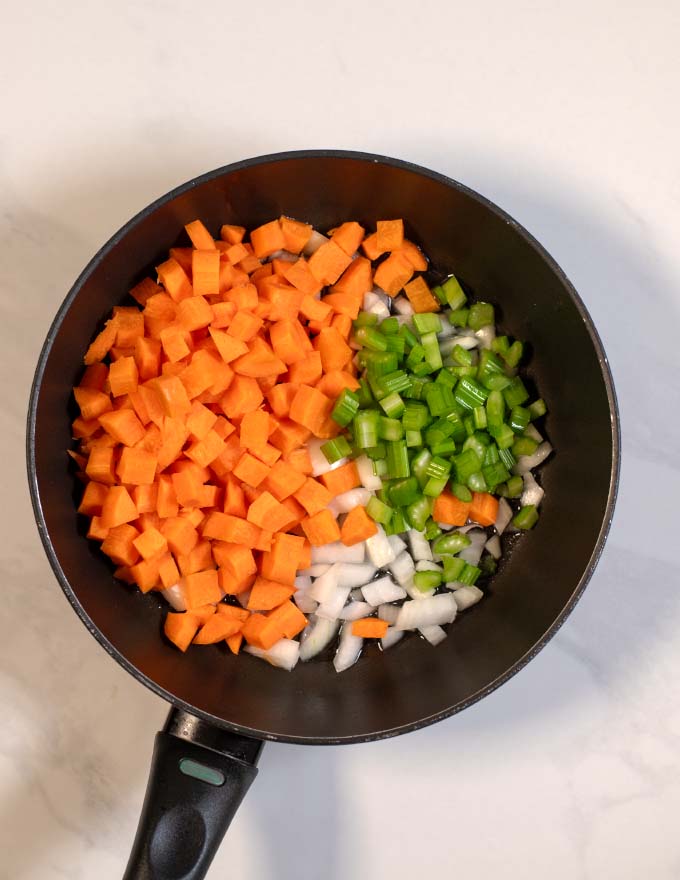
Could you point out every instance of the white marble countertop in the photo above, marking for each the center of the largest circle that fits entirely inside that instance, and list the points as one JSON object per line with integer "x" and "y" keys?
{"x": 566, "y": 119}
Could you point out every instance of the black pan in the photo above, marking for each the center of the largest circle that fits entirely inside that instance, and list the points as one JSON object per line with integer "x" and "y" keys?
{"x": 224, "y": 707}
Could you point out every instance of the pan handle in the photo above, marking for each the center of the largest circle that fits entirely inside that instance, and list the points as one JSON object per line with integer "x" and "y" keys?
{"x": 199, "y": 776}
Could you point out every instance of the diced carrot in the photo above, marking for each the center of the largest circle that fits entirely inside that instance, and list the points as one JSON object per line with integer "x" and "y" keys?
{"x": 234, "y": 642}
{"x": 282, "y": 562}
{"x": 181, "y": 536}
{"x": 345, "y": 303}
{"x": 283, "y": 480}
{"x": 204, "y": 613}
{"x": 349, "y": 236}
{"x": 328, "y": 262}
{"x": 198, "y": 559}
{"x": 172, "y": 395}
{"x": 287, "y": 341}
{"x": 314, "y": 309}
{"x": 199, "y": 235}
{"x": 217, "y": 629}
{"x": 137, "y": 467}
{"x": 200, "y": 420}
{"x": 250, "y": 470}
{"x": 174, "y": 435}
{"x": 144, "y": 290}
{"x": 234, "y": 499}
{"x": 393, "y": 273}
{"x": 95, "y": 377}
{"x": 183, "y": 257}
{"x": 280, "y": 398}
{"x": 147, "y": 357}
{"x": 259, "y": 361}
{"x": 92, "y": 403}
{"x": 118, "y": 507}
{"x": 307, "y": 371}
{"x": 390, "y": 235}
{"x": 150, "y": 543}
{"x": 195, "y": 313}
{"x": 358, "y": 526}
{"x": 254, "y": 431}
{"x": 267, "y": 513}
{"x": 187, "y": 488}
{"x": 175, "y": 341}
{"x": 243, "y": 296}
{"x": 322, "y": 528}
{"x": 301, "y": 277}
{"x": 252, "y": 628}
{"x": 201, "y": 588}
{"x": 245, "y": 326}
{"x": 175, "y": 280}
{"x": 289, "y": 436}
{"x": 310, "y": 407}
{"x": 262, "y": 272}
{"x": 332, "y": 384}
{"x": 286, "y": 621}
{"x": 232, "y": 234}
{"x": 267, "y": 238}
{"x": 414, "y": 255}
{"x": 101, "y": 465}
{"x": 223, "y": 314}
{"x": 233, "y": 582}
{"x": 341, "y": 479}
{"x": 101, "y": 344}
{"x": 232, "y": 529}
{"x": 168, "y": 571}
{"x": 180, "y": 628}
{"x": 129, "y": 326}
{"x": 420, "y": 296}
{"x": 145, "y": 498}
{"x": 118, "y": 544}
{"x": 483, "y": 509}
{"x": 232, "y": 612}
{"x": 205, "y": 273}
{"x": 93, "y": 499}
{"x": 343, "y": 324}
{"x": 299, "y": 459}
{"x": 205, "y": 451}
{"x": 295, "y": 234}
{"x": 370, "y": 628}
{"x": 450, "y": 510}
{"x": 370, "y": 246}
{"x": 313, "y": 496}
{"x": 334, "y": 351}
{"x": 266, "y": 595}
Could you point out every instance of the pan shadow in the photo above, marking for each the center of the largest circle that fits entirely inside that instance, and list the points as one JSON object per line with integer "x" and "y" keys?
{"x": 73, "y": 741}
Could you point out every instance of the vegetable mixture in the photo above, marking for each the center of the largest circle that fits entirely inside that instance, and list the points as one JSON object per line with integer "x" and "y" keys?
{"x": 293, "y": 435}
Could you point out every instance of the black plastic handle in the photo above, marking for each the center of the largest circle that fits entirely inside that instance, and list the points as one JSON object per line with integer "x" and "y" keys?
{"x": 199, "y": 776}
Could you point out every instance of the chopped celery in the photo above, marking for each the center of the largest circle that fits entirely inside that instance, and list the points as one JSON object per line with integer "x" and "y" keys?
{"x": 526, "y": 518}
{"x": 336, "y": 449}
{"x": 379, "y": 511}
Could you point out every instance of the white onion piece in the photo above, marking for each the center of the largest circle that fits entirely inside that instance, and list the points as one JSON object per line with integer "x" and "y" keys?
{"x": 383, "y": 590}
{"x": 283, "y": 255}
{"x": 486, "y": 335}
{"x": 320, "y": 464}
{"x": 365, "y": 470}
{"x": 503, "y": 516}
{"x": 379, "y": 549}
{"x": 473, "y": 552}
{"x": 303, "y": 582}
{"x": 316, "y": 239}
{"x": 175, "y": 597}
{"x": 445, "y": 527}
{"x": 398, "y": 546}
{"x": 468, "y": 528}
{"x": 529, "y": 462}
{"x": 349, "y": 648}
{"x": 391, "y": 637}
{"x": 316, "y": 570}
{"x": 305, "y": 602}
{"x": 434, "y": 634}
{"x": 532, "y": 494}
{"x": 433, "y": 610}
{"x": 493, "y": 546}
{"x": 355, "y": 611}
{"x": 338, "y": 552}
{"x": 402, "y": 568}
{"x": 419, "y": 545}
{"x": 447, "y": 330}
{"x": 356, "y": 595}
{"x": 243, "y": 598}
{"x": 465, "y": 341}
{"x": 402, "y": 306}
{"x": 331, "y": 608}
{"x": 426, "y": 565}
{"x": 466, "y": 596}
{"x": 355, "y": 575}
{"x": 388, "y": 612}
{"x": 374, "y": 304}
{"x": 453, "y": 585}
{"x": 415, "y": 592}
{"x": 530, "y": 431}
{"x": 285, "y": 653}
{"x": 381, "y": 294}
{"x": 349, "y": 500}
{"x": 319, "y": 635}
{"x": 325, "y": 586}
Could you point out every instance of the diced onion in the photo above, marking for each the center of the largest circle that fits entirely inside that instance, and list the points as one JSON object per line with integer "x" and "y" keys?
{"x": 486, "y": 335}
{"x": 285, "y": 653}
{"x": 365, "y": 470}
{"x": 355, "y": 611}
{"x": 402, "y": 568}
{"x": 349, "y": 648}
{"x": 175, "y": 597}
{"x": 434, "y": 634}
{"x": 493, "y": 546}
{"x": 473, "y": 552}
{"x": 402, "y": 306}
{"x": 379, "y": 549}
{"x": 383, "y": 590}
{"x": 349, "y": 500}
{"x": 428, "y": 612}
{"x": 466, "y": 596}
{"x": 529, "y": 462}
{"x": 320, "y": 635}
{"x": 419, "y": 545}
{"x": 503, "y": 516}
{"x": 391, "y": 637}
{"x": 316, "y": 239}
{"x": 331, "y": 607}
{"x": 338, "y": 552}
{"x": 388, "y": 612}
{"x": 397, "y": 545}
{"x": 532, "y": 494}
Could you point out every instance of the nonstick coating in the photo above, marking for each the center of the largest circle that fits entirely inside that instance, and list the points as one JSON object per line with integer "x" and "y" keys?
{"x": 412, "y": 684}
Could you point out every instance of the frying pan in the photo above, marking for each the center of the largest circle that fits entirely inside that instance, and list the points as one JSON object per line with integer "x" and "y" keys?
{"x": 224, "y": 707}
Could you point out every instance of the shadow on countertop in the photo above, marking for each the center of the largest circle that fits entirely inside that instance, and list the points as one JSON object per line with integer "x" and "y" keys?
{"x": 80, "y": 732}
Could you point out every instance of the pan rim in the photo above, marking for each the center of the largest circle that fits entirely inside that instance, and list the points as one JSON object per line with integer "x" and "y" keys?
{"x": 545, "y": 257}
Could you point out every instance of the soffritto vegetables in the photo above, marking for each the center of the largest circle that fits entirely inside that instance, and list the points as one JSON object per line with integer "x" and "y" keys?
{"x": 296, "y": 436}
